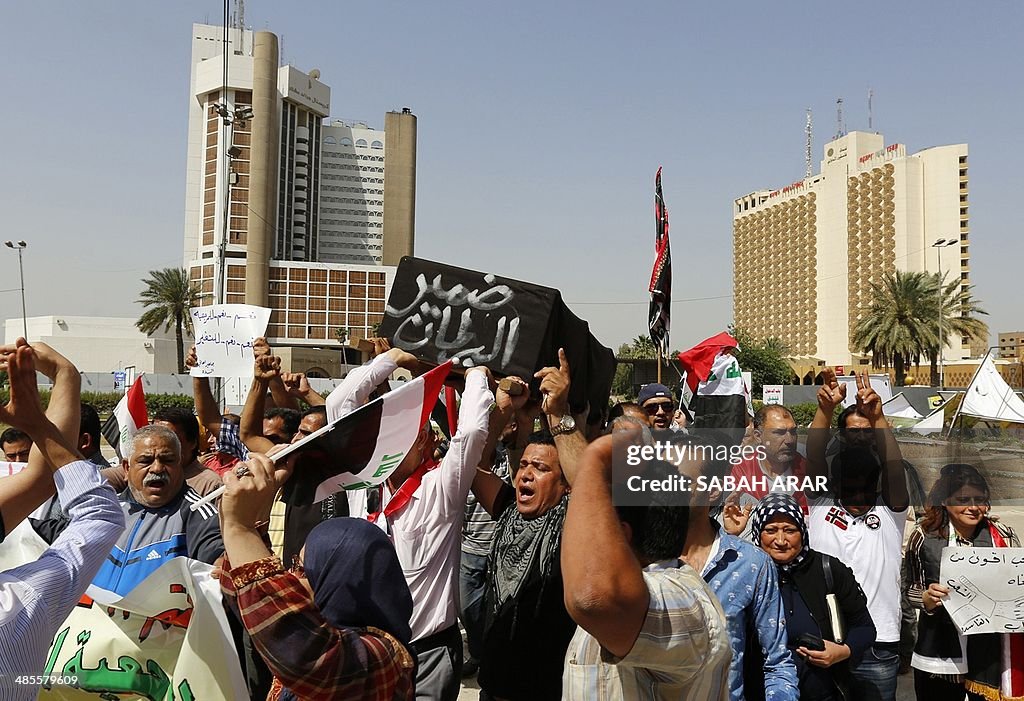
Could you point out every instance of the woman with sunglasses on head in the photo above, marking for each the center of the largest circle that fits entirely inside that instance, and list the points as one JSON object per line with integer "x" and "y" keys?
{"x": 335, "y": 626}
{"x": 946, "y": 663}
{"x": 807, "y": 580}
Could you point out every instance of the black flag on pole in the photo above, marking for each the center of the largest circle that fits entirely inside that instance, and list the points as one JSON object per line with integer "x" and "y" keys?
{"x": 661, "y": 276}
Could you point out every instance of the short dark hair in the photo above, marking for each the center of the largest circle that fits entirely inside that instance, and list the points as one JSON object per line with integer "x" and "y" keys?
{"x": 766, "y": 410}
{"x": 90, "y": 424}
{"x": 184, "y": 420}
{"x": 541, "y": 438}
{"x": 659, "y": 528}
{"x": 289, "y": 417}
{"x": 13, "y": 435}
{"x": 320, "y": 409}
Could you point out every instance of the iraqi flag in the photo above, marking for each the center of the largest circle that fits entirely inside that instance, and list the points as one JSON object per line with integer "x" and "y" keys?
{"x": 129, "y": 416}
{"x": 660, "y": 311}
{"x": 362, "y": 448}
{"x": 714, "y": 377}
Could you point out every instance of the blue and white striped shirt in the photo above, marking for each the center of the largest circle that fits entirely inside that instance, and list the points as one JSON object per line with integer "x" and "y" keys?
{"x": 36, "y": 597}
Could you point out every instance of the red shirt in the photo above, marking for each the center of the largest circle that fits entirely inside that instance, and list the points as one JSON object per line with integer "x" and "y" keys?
{"x": 758, "y": 484}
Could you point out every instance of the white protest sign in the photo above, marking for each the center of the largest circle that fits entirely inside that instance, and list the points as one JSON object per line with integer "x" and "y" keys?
{"x": 224, "y": 338}
{"x": 771, "y": 394}
{"x": 986, "y": 589}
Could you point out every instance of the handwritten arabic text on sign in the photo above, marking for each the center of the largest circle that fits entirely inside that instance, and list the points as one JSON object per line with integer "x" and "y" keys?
{"x": 224, "y": 338}
{"x": 986, "y": 589}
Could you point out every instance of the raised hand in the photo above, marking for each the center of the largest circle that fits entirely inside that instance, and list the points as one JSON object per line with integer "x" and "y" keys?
{"x": 296, "y": 384}
{"x": 267, "y": 367}
{"x": 512, "y": 394}
{"x": 554, "y": 386}
{"x": 260, "y": 347}
{"x": 23, "y": 409}
{"x": 380, "y": 345}
{"x": 868, "y": 402}
{"x": 832, "y": 392}
{"x": 192, "y": 359}
{"x": 734, "y": 517}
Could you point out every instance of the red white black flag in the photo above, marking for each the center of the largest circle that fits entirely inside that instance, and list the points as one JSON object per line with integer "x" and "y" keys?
{"x": 361, "y": 449}
{"x": 128, "y": 417}
{"x": 661, "y": 276}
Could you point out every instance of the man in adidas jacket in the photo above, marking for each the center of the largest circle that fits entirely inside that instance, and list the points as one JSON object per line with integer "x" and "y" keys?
{"x": 159, "y": 524}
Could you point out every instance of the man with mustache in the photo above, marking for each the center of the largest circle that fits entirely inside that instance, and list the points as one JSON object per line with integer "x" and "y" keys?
{"x": 775, "y": 440}
{"x": 159, "y": 523}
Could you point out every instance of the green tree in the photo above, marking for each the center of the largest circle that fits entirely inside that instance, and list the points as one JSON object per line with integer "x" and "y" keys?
{"x": 168, "y": 297}
{"x": 959, "y": 316}
{"x": 642, "y": 348}
{"x": 764, "y": 359}
{"x": 900, "y": 323}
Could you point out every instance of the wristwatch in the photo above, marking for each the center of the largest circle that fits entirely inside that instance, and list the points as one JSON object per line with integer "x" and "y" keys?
{"x": 566, "y": 424}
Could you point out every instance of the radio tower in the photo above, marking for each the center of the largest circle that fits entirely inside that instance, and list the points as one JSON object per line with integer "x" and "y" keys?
{"x": 871, "y": 93}
{"x": 807, "y": 147}
{"x": 841, "y": 128}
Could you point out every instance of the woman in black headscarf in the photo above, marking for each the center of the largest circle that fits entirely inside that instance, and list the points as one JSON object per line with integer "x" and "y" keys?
{"x": 335, "y": 626}
{"x": 810, "y": 584}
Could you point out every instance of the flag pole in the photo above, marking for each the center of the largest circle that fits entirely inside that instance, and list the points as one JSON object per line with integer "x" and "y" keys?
{"x": 659, "y": 365}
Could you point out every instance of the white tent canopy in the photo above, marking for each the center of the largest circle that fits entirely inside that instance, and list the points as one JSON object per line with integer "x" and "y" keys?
{"x": 899, "y": 407}
{"x": 989, "y": 397}
{"x": 930, "y": 424}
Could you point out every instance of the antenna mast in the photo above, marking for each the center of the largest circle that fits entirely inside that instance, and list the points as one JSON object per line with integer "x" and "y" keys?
{"x": 840, "y": 127}
{"x": 807, "y": 147}
{"x": 871, "y": 94}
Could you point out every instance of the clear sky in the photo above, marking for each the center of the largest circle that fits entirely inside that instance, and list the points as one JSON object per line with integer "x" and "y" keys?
{"x": 541, "y": 125}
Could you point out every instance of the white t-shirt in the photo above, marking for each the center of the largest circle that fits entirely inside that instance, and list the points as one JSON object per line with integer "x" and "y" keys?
{"x": 872, "y": 546}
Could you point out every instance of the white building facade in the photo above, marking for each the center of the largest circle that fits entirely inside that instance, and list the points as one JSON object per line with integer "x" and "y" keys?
{"x": 805, "y": 255}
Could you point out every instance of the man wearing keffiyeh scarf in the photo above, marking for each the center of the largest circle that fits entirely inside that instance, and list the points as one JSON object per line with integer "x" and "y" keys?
{"x": 526, "y": 625}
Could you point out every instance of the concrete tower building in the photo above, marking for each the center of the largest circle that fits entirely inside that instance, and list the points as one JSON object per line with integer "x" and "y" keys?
{"x": 302, "y": 202}
{"x": 805, "y": 255}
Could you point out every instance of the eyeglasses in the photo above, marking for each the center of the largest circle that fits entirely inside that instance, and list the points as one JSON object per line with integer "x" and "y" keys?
{"x": 654, "y": 408}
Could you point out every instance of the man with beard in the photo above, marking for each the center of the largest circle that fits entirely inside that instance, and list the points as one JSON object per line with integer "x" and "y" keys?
{"x": 656, "y": 401}
{"x": 159, "y": 523}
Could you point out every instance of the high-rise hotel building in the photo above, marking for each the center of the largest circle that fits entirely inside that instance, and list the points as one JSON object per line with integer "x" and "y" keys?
{"x": 309, "y": 216}
{"x": 805, "y": 255}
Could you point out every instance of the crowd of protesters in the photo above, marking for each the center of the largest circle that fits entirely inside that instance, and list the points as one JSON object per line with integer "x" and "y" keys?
{"x": 508, "y": 531}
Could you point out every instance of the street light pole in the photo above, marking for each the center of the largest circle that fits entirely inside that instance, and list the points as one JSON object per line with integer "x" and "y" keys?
{"x": 20, "y": 246}
{"x": 938, "y": 246}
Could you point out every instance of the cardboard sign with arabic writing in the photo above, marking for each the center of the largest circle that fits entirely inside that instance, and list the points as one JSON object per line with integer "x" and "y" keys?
{"x": 224, "y": 338}
{"x": 986, "y": 589}
{"x": 440, "y": 312}
{"x": 166, "y": 639}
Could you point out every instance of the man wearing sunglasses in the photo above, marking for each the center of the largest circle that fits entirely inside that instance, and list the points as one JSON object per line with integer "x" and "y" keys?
{"x": 656, "y": 400}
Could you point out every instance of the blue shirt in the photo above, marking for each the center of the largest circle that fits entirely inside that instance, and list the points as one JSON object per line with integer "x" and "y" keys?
{"x": 746, "y": 583}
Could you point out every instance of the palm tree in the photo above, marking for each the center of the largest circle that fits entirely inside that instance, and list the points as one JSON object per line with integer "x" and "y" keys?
{"x": 900, "y": 324}
{"x": 168, "y": 297}
{"x": 959, "y": 309}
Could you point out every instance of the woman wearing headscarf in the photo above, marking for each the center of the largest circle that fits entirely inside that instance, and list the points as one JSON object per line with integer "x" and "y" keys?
{"x": 945, "y": 662}
{"x": 336, "y": 626}
{"x": 823, "y": 664}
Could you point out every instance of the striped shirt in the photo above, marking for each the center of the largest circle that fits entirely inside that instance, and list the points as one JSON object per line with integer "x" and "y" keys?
{"x": 681, "y": 653}
{"x": 478, "y": 528}
{"x": 36, "y": 597}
